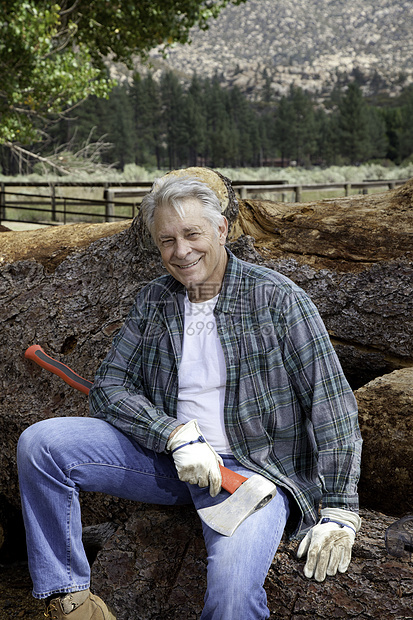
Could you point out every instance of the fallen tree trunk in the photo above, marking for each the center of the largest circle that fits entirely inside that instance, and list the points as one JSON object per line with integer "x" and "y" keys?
{"x": 69, "y": 289}
{"x": 354, "y": 256}
{"x": 155, "y": 567}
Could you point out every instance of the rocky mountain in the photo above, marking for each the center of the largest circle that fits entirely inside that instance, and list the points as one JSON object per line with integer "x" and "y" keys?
{"x": 267, "y": 45}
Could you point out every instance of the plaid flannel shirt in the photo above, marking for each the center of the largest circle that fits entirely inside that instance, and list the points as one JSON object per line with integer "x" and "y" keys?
{"x": 289, "y": 412}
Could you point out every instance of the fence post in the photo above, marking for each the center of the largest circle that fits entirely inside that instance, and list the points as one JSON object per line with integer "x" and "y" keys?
{"x": 347, "y": 187}
{"x": 298, "y": 193}
{"x": 109, "y": 206}
{"x": 53, "y": 200}
{"x": 2, "y": 202}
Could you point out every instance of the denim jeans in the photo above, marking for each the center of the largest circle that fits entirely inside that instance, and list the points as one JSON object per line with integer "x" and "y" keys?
{"x": 60, "y": 456}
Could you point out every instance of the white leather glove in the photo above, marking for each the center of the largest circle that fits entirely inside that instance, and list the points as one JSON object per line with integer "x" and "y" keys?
{"x": 195, "y": 459}
{"x": 328, "y": 544}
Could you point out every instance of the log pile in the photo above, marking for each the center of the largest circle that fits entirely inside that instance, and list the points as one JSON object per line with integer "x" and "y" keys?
{"x": 69, "y": 289}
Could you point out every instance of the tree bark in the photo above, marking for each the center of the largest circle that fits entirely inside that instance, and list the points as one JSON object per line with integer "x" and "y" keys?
{"x": 155, "y": 567}
{"x": 70, "y": 288}
{"x": 354, "y": 256}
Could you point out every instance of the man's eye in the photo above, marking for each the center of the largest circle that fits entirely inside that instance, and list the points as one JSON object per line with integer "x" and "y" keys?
{"x": 167, "y": 242}
{"x": 193, "y": 234}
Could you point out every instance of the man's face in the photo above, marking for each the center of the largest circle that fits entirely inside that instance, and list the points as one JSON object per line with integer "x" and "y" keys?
{"x": 191, "y": 250}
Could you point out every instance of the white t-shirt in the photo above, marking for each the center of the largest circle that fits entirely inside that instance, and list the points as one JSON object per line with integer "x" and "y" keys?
{"x": 202, "y": 374}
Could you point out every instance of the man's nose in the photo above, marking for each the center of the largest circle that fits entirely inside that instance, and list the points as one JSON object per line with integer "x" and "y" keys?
{"x": 182, "y": 248}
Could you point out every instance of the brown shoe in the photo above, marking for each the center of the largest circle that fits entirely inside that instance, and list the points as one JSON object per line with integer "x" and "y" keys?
{"x": 78, "y": 606}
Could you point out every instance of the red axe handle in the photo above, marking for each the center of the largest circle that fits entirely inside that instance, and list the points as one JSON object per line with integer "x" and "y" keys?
{"x": 231, "y": 481}
{"x": 36, "y": 353}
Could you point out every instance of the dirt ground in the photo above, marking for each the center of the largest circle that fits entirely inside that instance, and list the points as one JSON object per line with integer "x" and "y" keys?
{"x": 16, "y": 600}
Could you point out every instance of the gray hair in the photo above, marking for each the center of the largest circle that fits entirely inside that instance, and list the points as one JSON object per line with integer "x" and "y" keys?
{"x": 172, "y": 190}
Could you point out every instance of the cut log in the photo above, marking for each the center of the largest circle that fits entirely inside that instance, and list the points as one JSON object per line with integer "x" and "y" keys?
{"x": 70, "y": 288}
{"x": 386, "y": 423}
{"x": 155, "y": 567}
{"x": 354, "y": 256}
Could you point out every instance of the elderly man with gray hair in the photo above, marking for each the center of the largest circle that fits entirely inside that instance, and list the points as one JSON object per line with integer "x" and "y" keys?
{"x": 219, "y": 362}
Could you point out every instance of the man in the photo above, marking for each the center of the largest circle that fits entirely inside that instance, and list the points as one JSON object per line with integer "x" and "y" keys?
{"x": 220, "y": 361}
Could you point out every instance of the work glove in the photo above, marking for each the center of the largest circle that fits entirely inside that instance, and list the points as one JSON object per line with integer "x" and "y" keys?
{"x": 195, "y": 459}
{"x": 328, "y": 544}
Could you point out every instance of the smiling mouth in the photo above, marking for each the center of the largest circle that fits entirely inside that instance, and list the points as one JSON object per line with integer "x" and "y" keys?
{"x": 190, "y": 265}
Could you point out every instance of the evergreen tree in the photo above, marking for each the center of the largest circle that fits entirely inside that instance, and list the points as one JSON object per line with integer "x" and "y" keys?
{"x": 353, "y": 125}
{"x": 173, "y": 119}
{"x": 393, "y": 120}
{"x": 281, "y": 130}
{"x": 327, "y": 151}
{"x": 88, "y": 122}
{"x": 166, "y": 125}
{"x": 267, "y": 92}
{"x": 118, "y": 123}
{"x": 221, "y": 139}
{"x": 332, "y": 150}
{"x": 196, "y": 122}
{"x": 377, "y": 134}
{"x": 406, "y": 123}
{"x": 265, "y": 152}
{"x": 241, "y": 123}
{"x": 146, "y": 107}
{"x": 295, "y": 129}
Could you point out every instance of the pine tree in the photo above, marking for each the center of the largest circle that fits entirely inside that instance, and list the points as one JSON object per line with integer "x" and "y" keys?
{"x": 406, "y": 125}
{"x": 221, "y": 138}
{"x": 245, "y": 127}
{"x": 393, "y": 120}
{"x": 353, "y": 125}
{"x": 295, "y": 129}
{"x": 379, "y": 142}
{"x": 173, "y": 119}
{"x": 196, "y": 122}
{"x": 118, "y": 122}
{"x": 146, "y": 106}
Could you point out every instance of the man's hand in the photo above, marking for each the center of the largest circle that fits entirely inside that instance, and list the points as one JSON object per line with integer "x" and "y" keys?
{"x": 195, "y": 460}
{"x": 328, "y": 544}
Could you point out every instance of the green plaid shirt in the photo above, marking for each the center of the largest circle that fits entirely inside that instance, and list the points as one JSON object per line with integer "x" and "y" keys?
{"x": 289, "y": 411}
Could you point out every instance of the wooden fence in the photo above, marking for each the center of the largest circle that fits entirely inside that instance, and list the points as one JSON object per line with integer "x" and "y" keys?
{"x": 55, "y": 203}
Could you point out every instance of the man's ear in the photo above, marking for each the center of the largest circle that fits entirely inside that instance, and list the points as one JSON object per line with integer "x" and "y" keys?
{"x": 223, "y": 230}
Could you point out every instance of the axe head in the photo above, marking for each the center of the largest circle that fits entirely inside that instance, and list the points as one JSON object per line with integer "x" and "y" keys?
{"x": 252, "y": 495}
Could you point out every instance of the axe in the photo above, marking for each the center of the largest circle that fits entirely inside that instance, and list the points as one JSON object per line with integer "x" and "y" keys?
{"x": 247, "y": 495}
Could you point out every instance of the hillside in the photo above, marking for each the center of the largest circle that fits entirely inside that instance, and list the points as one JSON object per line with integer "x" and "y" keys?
{"x": 309, "y": 43}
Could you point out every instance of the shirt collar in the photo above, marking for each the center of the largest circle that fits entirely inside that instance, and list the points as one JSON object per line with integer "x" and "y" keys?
{"x": 231, "y": 285}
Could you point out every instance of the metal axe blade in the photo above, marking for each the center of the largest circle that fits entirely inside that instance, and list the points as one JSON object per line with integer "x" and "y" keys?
{"x": 252, "y": 495}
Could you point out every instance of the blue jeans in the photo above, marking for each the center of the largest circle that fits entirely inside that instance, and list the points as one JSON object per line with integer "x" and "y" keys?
{"x": 58, "y": 457}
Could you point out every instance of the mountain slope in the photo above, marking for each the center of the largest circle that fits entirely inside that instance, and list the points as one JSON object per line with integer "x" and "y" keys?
{"x": 303, "y": 42}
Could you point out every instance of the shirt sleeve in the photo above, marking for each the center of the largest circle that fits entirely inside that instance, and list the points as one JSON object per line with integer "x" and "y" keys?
{"x": 325, "y": 398}
{"x": 118, "y": 395}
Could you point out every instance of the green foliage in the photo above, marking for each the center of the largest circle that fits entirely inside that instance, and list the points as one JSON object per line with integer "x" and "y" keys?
{"x": 168, "y": 124}
{"x": 51, "y": 55}
{"x": 405, "y": 131}
{"x": 295, "y": 127}
{"x": 353, "y": 130}
{"x": 38, "y": 78}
